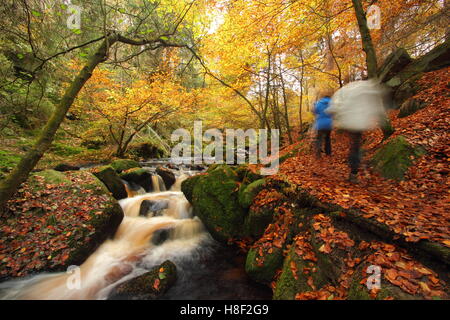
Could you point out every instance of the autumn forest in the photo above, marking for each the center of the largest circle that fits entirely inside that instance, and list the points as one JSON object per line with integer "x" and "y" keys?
{"x": 224, "y": 149}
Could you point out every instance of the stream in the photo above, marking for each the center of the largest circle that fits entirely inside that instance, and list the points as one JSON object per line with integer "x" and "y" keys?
{"x": 205, "y": 268}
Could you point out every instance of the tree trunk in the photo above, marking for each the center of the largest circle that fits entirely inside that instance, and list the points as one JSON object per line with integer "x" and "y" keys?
{"x": 10, "y": 184}
{"x": 369, "y": 49}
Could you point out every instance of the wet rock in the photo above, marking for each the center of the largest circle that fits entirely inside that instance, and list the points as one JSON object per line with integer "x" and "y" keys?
{"x": 167, "y": 176}
{"x": 112, "y": 181}
{"x": 62, "y": 167}
{"x": 140, "y": 177}
{"x": 123, "y": 165}
{"x": 160, "y": 236}
{"x": 154, "y": 207}
{"x": 148, "y": 286}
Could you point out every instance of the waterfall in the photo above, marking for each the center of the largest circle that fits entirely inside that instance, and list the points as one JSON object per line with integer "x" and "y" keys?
{"x": 158, "y": 183}
{"x": 129, "y": 254}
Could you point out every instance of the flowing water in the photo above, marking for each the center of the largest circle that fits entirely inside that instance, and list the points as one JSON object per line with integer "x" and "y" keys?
{"x": 206, "y": 270}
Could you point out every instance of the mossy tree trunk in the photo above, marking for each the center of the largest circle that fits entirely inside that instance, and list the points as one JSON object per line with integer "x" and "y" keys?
{"x": 20, "y": 173}
{"x": 10, "y": 184}
{"x": 368, "y": 47}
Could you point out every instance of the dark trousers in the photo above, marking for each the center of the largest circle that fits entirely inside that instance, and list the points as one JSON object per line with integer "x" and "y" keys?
{"x": 323, "y": 136}
{"x": 354, "y": 157}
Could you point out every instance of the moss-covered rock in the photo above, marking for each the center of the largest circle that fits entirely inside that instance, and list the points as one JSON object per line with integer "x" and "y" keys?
{"x": 247, "y": 175}
{"x": 112, "y": 181}
{"x": 296, "y": 277}
{"x": 248, "y": 192}
{"x": 215, "y": 202}
{"x": 148, "y": 286}
{"x": 103, "y": 219}
{"x": 257, "y": 220}
{"x": 51, "y": 177}
{"x": 139, "y": 176}
{"x": 262, "y": 269}
{"x": 124, "y": 164}
{"x": 187, "y": 186}
{"x": 359, "y": 291}
{"x": 394, "y": 158}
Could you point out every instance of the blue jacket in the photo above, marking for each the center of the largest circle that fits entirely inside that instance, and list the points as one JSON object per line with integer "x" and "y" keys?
{"x": 323, "y": 119}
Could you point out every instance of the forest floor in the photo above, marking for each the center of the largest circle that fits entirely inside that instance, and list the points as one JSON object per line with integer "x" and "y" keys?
{"x": 417, "y": 207}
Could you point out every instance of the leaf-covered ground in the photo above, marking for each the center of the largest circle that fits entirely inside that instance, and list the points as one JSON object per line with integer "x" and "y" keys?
{"x": 417, "y": 207}
{"x": 48, "y": 222}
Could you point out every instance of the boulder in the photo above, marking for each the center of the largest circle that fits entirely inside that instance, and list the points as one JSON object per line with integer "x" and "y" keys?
{"x": 187, "y": 186}
{"x": 214, "y": 198}
{"x": 146, "y": 150}
{"x": 148, "y": 286}
{"x": 124, "y": 164}
{"x": 153, "y": 207}
{"x": 248, "y": 192}
{"x": 140, "y": 177}
{"x": 393, "y": 64}
{"x": 261, "y": 266}
{"x": 112, "y": 181}
{"x": 62, "y": 167}
{"x": 393, "y": 159}
{"x": 167, "y": 175}
{"x": 105, "y": 213}
{"x": 410, "y": 107}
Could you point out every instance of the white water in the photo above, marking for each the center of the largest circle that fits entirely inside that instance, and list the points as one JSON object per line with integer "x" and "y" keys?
{"x": 130, "y": 254}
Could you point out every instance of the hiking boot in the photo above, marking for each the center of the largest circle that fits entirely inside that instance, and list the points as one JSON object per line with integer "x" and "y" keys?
{"x": 353, "y": 178}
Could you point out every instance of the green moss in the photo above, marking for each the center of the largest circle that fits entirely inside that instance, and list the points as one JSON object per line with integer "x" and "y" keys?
{"x": 288, "y": 286}
{"x": 393, "y": 159}
{"x": 187, "y": 186}
{"x": 258, "y": 220}
{"x": 61, "y": 149}
{"x": 263, "y": 273}
{"x": 215, "y": 202}
{"x": 112, "y": 181}
{"x": 8, "y": 161}
{"x": 358, "y": 291}
{"x": 123, "y": 165}
{"x": 248, "y": 192}
{"x": 52, "y": 177}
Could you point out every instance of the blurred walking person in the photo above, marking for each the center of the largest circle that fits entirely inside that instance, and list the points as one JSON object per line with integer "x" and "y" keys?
{"x": 324, "y": 123}
{"x": 358, "y": 107}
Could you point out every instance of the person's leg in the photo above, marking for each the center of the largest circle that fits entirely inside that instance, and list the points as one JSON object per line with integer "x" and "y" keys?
{"x": 328, "y": 142}
{"x": 319, "y": 143}
{"x": 355, "y": 153}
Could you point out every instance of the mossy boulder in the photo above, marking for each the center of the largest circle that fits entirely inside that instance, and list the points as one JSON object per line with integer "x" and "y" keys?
{"x": 395, "y": 157}
{"x": 51, "y": 177}
{"x": 112, "y": 181}
{"x": 295, "y": 275}
{"x": 215, "y": 202}
{"x": 359, "y": 291}
{"x": 257, "y": 221}
{"x": 187, "y": 186}
{"x": 123, "y": 165}
{"x": 148, "y": 286}
{"x": 410, "y": 107}
{"x": 247, "y": 175}
{"x": 248, "y": 192}
{"x": 103, "y": 213}
{"x": 261, "y": 265}
{"x": 140, "y": 177}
